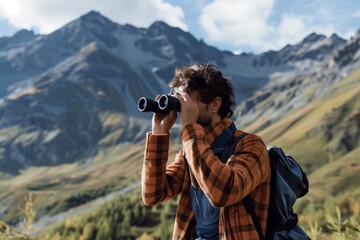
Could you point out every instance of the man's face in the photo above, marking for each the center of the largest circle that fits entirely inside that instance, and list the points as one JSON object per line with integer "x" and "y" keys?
{"x": 204, "y": 118}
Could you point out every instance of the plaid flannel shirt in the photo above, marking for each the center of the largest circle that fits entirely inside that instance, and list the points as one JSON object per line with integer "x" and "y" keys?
{"x": 245, "y": 172}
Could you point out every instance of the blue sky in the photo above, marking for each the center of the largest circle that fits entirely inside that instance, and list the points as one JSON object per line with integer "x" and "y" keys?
{"x": 235, "y": 25}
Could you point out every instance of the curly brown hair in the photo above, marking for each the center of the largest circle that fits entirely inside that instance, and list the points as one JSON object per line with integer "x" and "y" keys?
{"x": 209, "y": 82}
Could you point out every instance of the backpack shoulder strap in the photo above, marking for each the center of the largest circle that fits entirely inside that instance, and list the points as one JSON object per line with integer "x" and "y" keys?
{"x": 247, "y": 201}
{"x": 250, "y": 209}
{"x": 230, "y": 147}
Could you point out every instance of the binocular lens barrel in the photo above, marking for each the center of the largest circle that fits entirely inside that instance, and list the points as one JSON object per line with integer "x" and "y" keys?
{"x": 169, "y": 103}
{"x": 149, "y": 105}
{"x": 165, "y": 104}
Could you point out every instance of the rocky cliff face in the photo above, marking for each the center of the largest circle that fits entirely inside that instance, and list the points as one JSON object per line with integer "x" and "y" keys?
{"x": 316, "y": 64}
{"x": 68, "y": 94}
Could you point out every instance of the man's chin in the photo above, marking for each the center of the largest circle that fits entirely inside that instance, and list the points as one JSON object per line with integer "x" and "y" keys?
{"x": 204, "y": 123}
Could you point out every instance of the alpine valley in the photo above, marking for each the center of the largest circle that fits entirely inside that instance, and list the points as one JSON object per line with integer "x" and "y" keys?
{"x": 71, "y": 133}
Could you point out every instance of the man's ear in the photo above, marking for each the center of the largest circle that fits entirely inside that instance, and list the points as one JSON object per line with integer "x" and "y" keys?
{"x": 215, "y": 105}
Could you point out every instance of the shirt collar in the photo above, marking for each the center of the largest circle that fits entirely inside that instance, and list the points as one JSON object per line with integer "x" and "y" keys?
{"x": 213, "y": 131}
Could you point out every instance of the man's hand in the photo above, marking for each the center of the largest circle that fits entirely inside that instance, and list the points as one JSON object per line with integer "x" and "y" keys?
{"x": 162, "y": 123}
{"x": 189, "y": 109}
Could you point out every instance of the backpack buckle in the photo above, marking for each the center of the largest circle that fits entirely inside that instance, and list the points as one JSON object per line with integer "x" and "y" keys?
{"x": 292, "y": 222}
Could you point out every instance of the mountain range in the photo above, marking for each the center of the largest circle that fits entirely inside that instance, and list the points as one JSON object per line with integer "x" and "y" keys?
{"x": 67, "y": 95}
{"x": 60, "y": 91}
{"x": 70, "y": 131}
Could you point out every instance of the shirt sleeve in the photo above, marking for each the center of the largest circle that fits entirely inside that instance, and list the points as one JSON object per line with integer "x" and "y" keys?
{"x": 226, "y": 184}
{"x": 158, "y": 181}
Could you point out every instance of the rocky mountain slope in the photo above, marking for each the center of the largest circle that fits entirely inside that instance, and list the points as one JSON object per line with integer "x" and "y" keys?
{"x": 69, "y": 95}
{"x": 70, "y": 131}
{"x": 291, "y": 89}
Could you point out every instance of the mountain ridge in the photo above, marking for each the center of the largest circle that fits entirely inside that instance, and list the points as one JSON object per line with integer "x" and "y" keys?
{"x": 70, "y": 131}
{"x": 93, "y": 66}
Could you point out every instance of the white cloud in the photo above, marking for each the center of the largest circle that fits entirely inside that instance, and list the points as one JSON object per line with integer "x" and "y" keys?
{"x": 251, "y": 25}
{"x": 293, "y": 28}
{"x": 244, "y": 24}
{"x": 237, "y": 21}
{"x": 356, "y": 14}
{"x": 47, "y": 16}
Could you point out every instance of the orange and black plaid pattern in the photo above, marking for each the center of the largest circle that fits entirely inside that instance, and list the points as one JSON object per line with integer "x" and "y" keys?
{"x": 245, "y": 172}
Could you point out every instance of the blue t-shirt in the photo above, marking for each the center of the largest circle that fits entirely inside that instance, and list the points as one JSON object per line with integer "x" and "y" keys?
{"x": 206, "y": 215}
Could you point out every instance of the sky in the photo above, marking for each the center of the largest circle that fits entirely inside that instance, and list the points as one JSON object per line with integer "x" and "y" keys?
{"x": 235, "y": 25}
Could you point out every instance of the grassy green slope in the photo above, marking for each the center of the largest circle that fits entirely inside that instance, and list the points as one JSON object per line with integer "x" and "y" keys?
{"x": 317, "y": 133}
{"x": 59, "y": 188}
{"x": 324, "y": 138}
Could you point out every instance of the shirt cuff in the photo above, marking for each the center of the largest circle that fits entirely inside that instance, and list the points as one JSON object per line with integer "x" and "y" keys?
{"x": 157, "y": 146}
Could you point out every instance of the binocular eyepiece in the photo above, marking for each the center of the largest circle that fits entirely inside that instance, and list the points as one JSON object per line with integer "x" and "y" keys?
{"x": 164, "y": 105}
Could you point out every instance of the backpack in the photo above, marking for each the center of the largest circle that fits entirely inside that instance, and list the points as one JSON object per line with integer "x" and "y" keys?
{"x": 287, "y": 183}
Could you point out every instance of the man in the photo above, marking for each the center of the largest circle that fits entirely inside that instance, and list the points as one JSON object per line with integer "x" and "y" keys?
{"x": 210, "y": 191}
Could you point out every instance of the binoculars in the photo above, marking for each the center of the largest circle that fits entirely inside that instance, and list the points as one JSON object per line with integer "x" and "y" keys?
{"x": 164, "y": 105}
